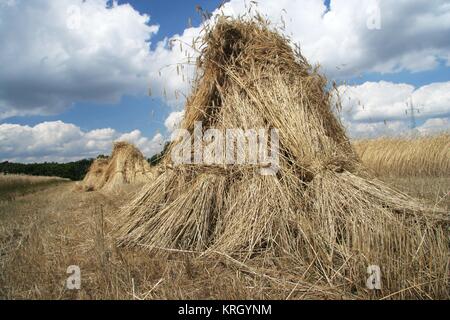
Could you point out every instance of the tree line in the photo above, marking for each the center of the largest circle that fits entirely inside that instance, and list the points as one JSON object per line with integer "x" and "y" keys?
{"x": 73, "y": 170}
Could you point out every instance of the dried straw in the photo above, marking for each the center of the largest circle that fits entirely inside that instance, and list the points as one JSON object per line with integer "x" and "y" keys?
{"x": 427, "y": 156}
{"x": 321, "y": 208}
{"x": 126, "y": 165}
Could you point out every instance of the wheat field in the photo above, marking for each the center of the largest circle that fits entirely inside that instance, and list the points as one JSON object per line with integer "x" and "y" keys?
{"x": 427, "y": 156}
{"x": 13, "y": 185}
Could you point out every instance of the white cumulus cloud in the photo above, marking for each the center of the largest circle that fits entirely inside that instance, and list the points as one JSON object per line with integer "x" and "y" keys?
{"x": 385, "y": 108}
{"x": 435, "y": 125}
{"x": 350, "y": 37}
{"x": 59, "y": 141}
{"x": 55, "y": 53}
{"x": 173, "y": 121}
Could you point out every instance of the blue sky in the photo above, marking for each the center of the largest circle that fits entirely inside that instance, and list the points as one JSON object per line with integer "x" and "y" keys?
{"x": 173, "y": 16}
{"x": 142, "y": 112}
{"x": 84, "y": 83}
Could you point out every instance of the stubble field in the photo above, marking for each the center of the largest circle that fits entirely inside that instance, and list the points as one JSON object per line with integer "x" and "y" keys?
{"x": 46, "y": 225}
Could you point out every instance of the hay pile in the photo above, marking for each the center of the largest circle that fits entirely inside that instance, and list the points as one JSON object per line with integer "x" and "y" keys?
{"x": 94, "y": 177}
{"x": 126, "y": 165}
{"x": 321, "y": 208}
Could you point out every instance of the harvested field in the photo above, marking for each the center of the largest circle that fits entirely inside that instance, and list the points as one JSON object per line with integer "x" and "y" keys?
{"x": 317, "y": 221}
{"x": 45, "y": 232}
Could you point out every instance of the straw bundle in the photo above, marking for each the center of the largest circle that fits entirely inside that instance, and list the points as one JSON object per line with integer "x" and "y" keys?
{"x": 320, "y": 208}
{"x": 126, "y": 165}
{"x": 93, "y": 179}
